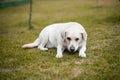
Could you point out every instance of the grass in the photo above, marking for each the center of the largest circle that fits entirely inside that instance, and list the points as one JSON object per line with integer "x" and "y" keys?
{"x": 103, "y": 47}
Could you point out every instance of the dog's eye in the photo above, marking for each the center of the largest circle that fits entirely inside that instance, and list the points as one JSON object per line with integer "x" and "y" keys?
{"x": 76, "y": 39}
{"x": 68, "y": 38}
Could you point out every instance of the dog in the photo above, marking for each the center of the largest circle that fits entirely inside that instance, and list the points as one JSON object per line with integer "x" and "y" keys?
{"x": 71, "y": 36}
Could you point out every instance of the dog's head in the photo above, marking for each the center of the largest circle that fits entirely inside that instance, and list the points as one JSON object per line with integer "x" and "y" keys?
{"x": 72, "y": 38}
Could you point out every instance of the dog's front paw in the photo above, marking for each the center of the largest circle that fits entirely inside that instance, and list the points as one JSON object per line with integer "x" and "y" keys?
{"x": 82, "y": 54}
{"x": 59, "y": 56}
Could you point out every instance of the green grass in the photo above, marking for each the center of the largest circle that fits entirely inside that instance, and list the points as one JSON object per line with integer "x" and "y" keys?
{"x": 103, "y": 47}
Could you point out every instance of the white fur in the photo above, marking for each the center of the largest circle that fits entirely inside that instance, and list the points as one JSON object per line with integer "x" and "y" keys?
{"x": 57, "y": 36}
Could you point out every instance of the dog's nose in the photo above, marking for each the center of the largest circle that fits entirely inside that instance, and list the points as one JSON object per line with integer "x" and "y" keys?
{"x": 72, "y": 49}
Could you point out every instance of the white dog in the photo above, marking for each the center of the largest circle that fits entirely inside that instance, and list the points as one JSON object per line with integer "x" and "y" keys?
{"x": 71, "y": 36}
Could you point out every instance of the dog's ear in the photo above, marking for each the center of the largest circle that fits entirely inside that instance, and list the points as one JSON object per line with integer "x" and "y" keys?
{"x": 63, "y": 34}
{"x": 84, "y": 36}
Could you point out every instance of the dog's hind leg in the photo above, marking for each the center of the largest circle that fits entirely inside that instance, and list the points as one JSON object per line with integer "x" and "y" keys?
{"x": 44, "y": 41}
{"x": 41, "y": 47}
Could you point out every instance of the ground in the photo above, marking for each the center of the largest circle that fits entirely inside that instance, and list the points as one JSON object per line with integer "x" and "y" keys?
{"x": 101, "y": 21}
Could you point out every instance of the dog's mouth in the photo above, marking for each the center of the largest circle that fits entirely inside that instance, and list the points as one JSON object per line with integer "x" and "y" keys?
{"x": 72, "y": 50}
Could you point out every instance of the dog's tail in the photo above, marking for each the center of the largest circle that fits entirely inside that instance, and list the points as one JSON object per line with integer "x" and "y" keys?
{"x": 32, "y": 45}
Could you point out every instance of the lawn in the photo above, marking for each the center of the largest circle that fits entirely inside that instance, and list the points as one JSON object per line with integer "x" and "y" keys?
{"x": 102, "y": 23}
